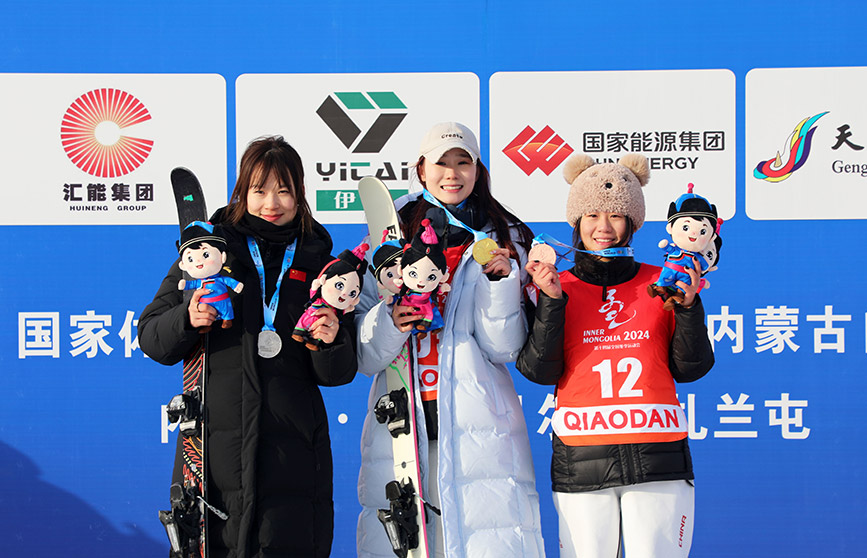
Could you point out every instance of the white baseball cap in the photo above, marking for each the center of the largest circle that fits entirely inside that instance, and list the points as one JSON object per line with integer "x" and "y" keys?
{"x": 448, "y": 135}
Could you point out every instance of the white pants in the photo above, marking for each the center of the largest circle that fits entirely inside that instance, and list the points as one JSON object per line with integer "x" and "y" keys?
{"x": 653, "y": 520}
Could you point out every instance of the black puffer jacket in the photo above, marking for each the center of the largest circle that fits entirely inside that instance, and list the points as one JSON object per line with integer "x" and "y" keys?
{"x": 268, "y": 447}
{"x": 585, "y": 468}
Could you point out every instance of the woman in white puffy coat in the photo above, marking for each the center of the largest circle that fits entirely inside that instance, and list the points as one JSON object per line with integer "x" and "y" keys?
{"x": 477, "y": 443}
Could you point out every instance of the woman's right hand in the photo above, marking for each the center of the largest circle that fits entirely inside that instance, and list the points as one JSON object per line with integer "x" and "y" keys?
{"x": 545, "y": 277}
{"x": 404, "y": 316}
{"x": 202, "y": 315}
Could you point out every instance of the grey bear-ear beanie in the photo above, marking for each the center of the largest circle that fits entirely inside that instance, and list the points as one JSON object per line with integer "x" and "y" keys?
{"x": 608, "y": 187}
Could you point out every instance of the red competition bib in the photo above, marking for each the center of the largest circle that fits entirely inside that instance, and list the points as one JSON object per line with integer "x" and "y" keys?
{"x": 616, "y": 387}
{"x": 427, "y": 349}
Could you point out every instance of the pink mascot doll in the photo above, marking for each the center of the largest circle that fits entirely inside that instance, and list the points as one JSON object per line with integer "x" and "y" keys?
{"x": 338, "y": 286}
{"x": 424, "y": 274}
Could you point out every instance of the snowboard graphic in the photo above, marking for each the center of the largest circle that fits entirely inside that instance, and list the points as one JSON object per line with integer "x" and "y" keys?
{"x": 404, "y": 521}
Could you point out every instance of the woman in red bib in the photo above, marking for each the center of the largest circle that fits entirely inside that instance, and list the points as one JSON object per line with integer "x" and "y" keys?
{"x": 621, "y": 468}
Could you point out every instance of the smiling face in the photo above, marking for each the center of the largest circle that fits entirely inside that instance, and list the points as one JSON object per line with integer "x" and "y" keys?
{"x": 422, "y": 276}
{"x": 690, "y": 234}
{"x": 342, "y": 291}
{"x": 271, "y": 200}
{"x": 202, "y": 262}
{"x": 452, "y": 178}
{"x": 601, "y": 230}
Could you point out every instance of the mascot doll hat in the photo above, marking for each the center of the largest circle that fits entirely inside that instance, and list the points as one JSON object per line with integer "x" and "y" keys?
{"x": 693, "y": 205}
{"x": 199, "y": 231}
{"x": 608, "y": 187}
{"x": 386, "y": 254}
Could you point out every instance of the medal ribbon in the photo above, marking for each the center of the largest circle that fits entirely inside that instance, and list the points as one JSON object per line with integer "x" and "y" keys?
{"x": 269, "y": 310}
{"x": 544, "y": 238}
{"x": 477, "y": 235}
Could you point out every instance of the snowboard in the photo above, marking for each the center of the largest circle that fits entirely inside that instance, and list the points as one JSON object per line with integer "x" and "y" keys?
{"x": 186, "y": 522}
{"x": 404, "y": 520}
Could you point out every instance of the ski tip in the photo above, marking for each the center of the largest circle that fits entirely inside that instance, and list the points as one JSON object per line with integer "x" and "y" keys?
{"x": 370, "y": 181}
{"x": 180, "y": 173}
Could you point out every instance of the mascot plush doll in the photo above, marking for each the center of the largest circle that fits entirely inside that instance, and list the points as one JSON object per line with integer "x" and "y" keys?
{"x": 203, "y": 254}
{"x": 424, "y": 273}
{"x": 711, "y": 255}
{"x": 338, "y": 287}
{"x": 386, "y": 267}
{"x": 692, "y": 226}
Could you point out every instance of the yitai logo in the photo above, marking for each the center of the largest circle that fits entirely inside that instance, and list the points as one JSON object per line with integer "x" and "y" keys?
{"x": 544, "y": 151}
{"x": 797, "y": 150}
{"x": 91, "y": 133}
{"x": 335, "y": 113}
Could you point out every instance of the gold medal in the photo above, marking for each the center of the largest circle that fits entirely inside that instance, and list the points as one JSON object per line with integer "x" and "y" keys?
{"x": 482, "y": 250}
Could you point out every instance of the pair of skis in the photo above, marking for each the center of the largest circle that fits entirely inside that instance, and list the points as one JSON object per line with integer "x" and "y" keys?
{"x": 186, "y": 521}
{"x": 404, "y": 520}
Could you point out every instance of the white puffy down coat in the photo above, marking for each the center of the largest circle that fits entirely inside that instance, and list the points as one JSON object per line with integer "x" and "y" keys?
{"x": 490, "y": 507}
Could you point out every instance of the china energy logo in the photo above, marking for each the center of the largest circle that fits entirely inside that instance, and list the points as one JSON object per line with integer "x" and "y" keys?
{"x": 544, "y": 151}
{"x": 797, "y": 148}
{"x": 91, "y": 133}
{"x": 336, "y": 108}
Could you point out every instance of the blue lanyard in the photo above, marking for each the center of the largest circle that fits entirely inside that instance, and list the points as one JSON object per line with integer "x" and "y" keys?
{"x": 270, "y": 310}
{"x": 477, "y": 235}
{"x": 621, "y": 252}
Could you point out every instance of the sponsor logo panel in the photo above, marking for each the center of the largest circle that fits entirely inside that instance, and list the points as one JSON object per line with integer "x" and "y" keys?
{"x": 806, "y": 129}
{"x": 347, "y": 126}
{"x": 682, "y": 121}
{"x": 86, "y": 149}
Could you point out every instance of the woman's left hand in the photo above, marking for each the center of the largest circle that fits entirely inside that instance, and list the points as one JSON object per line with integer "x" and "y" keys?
{"x": 325, "y": 328}
{"x": 499, "y": 264}
{"x": 690, "y": 290}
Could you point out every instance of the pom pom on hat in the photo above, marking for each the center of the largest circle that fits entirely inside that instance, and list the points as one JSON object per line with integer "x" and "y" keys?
{"x": 361, "y": 250}
{"x": 428, "y": 235}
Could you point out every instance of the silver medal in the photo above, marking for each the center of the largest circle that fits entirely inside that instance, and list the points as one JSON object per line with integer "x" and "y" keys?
{"x": 269, "y": 344}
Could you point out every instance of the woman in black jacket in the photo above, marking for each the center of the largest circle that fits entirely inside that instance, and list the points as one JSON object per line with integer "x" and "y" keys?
{"x": 621, "y": 468}
{"x": 267, "y": 442}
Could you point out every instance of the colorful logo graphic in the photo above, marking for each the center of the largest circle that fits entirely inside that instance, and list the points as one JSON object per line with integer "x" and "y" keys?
{"x": 334, "y": 111}
{"x": 798, "y": 145}
{"x": 544, "y": 151}
{"x": 91, "y": 133}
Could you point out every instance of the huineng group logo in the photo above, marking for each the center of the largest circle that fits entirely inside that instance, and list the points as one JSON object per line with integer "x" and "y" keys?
{"x": 91, "y": 133}
{"x": 348, "y": 126}
{"x": 797, "y": 149}
{"x": 543, "y": 151}
{"x": 335, "y": 111}
{"x": 822, "y": 116}
{"x": 98, "y": 149}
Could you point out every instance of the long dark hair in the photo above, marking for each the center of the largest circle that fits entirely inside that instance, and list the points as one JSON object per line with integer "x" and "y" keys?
{"x": 265, "y": 156}
{"x": 501, "y": 218}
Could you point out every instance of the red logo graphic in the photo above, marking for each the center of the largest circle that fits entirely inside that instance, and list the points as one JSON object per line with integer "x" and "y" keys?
{"x": 91, "y": 133}
{"x": 544, "y": 151}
